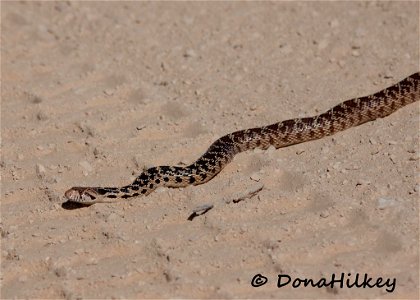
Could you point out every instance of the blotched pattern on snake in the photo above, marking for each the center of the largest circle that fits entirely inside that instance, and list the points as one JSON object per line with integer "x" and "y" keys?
{"x": 347, "y": 114}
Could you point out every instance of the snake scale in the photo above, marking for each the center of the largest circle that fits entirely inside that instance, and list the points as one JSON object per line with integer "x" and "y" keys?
{"x": 347, "y": 114}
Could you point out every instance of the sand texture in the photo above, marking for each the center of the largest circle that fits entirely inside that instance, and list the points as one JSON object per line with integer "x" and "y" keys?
{"x": 94, "y": 92}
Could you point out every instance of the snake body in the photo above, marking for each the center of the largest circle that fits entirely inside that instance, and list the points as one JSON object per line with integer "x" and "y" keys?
{"x": 347, "y": 114}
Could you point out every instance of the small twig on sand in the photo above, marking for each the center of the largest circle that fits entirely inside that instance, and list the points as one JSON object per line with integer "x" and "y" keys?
{"x": 249, "y": 193}
{"x": 200, "y": 210}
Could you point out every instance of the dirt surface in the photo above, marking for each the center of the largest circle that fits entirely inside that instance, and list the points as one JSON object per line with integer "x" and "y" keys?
{"x": 94, "y": 92}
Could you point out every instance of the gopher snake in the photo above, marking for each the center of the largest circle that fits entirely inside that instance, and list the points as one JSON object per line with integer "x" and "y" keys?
{"x": 348, "y": 114}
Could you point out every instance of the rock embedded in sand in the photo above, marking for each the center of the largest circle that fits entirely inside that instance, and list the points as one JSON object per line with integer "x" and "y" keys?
{"x": 40, "y": 170}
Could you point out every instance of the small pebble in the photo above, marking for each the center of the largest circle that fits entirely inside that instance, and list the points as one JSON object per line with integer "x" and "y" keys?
{"x": 34, "y": 98}
{"x": 324, "y": 214}
{"x": 386, "y": 202}
{"x": 388, "y": 74}
{"x": 336, "y": 165}
{"x": 256, "y": 176}
{"x": 341, "y": 63}
{"x": 40, "y": 170}
{"x": 109, "y": 92}
{"x": 60, "y": 272}
{"x": 253, "y": 107}
{"x": 96, "y": 152}
{"x": 363, "y": 182}
{"x": 42, "y": 116}
{"x": 190, "y": 53}
{"x": 414, "y": 157}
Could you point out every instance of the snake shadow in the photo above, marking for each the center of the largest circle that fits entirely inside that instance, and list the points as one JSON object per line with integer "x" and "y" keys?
{"x": 73, "y": 205}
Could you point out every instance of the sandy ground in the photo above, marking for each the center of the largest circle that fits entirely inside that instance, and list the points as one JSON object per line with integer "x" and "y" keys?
{"x": 94, "y": 92}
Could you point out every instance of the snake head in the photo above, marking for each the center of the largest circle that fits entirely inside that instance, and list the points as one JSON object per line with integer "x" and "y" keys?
{"x": 83, "y": 195}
